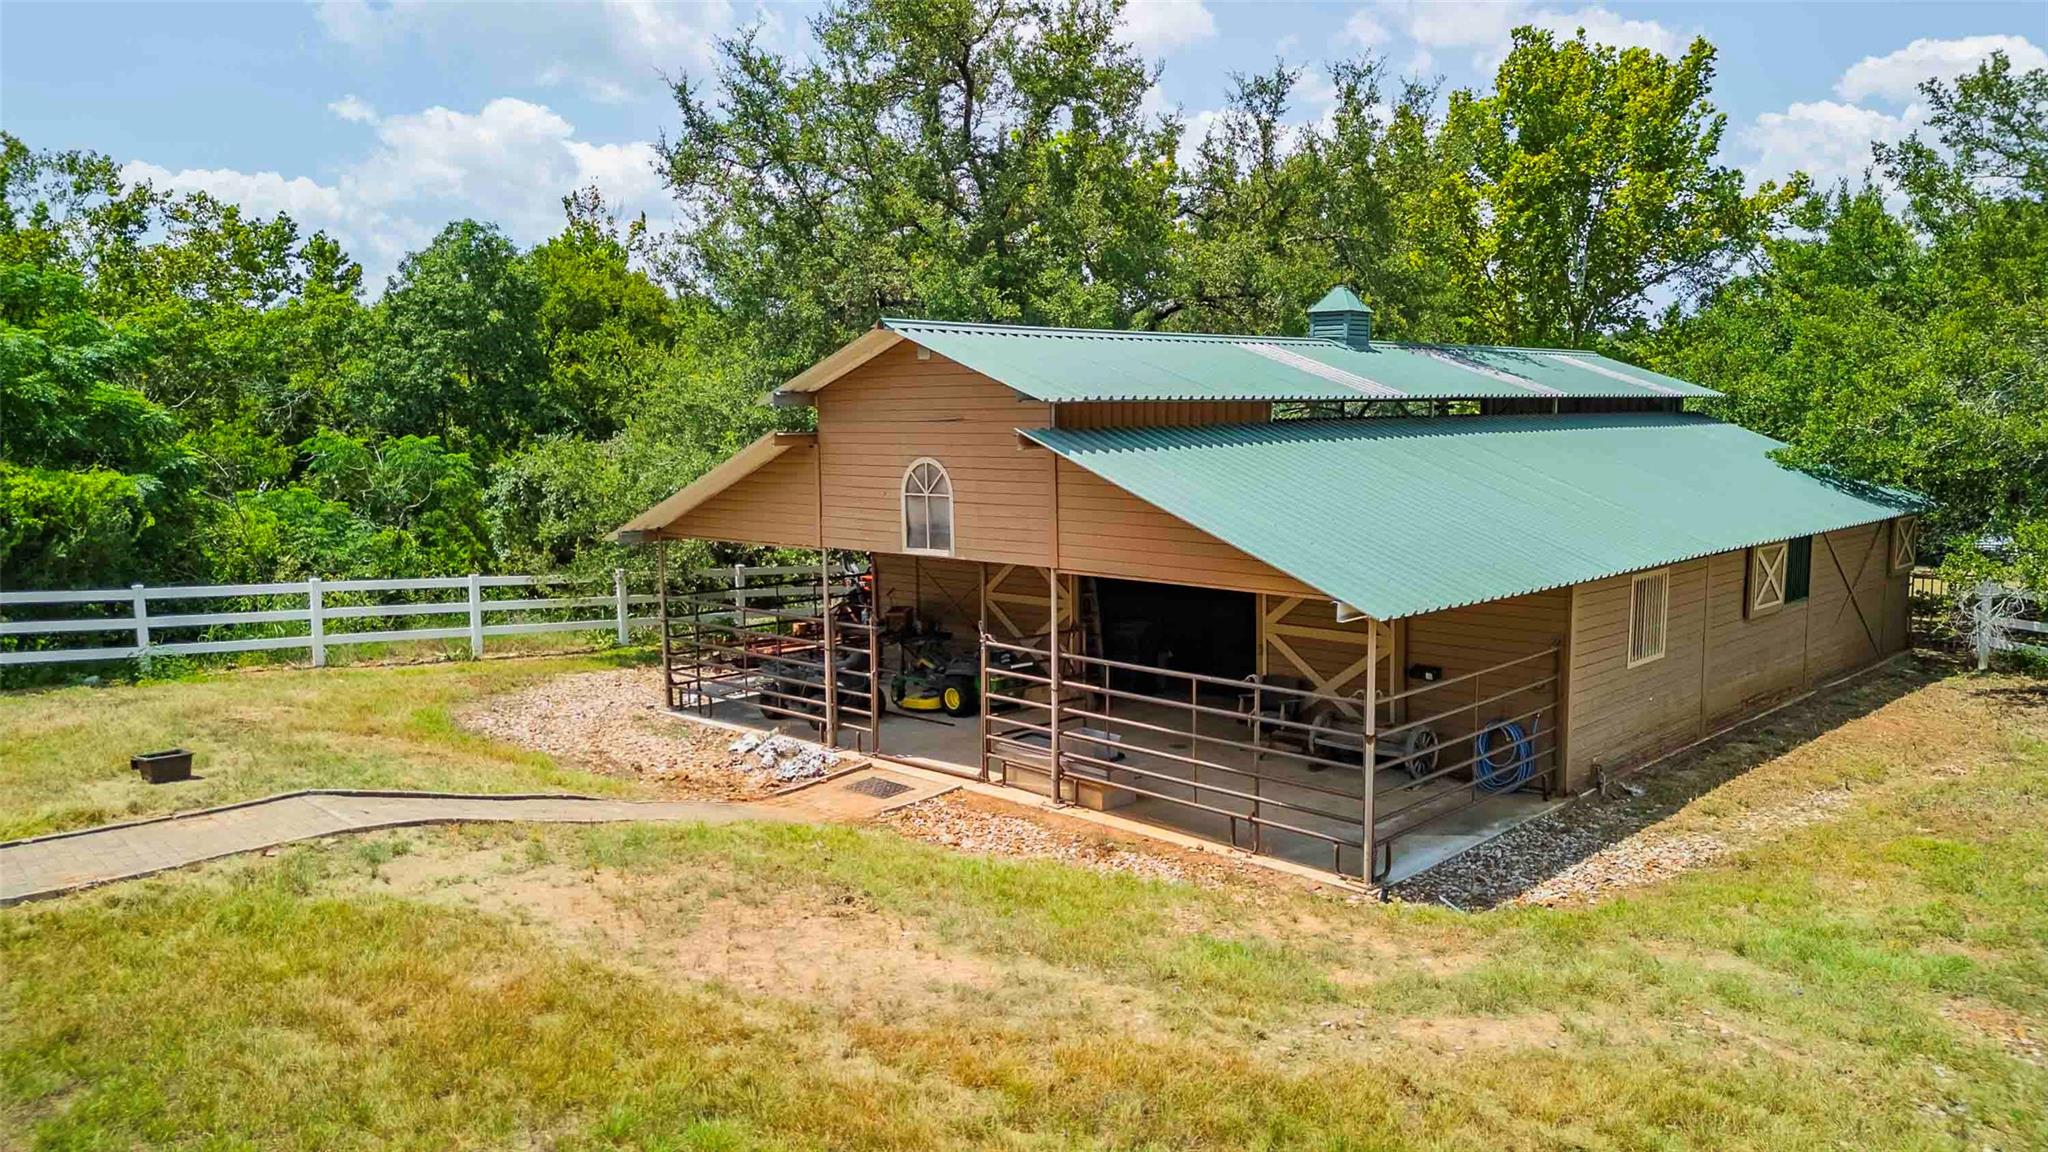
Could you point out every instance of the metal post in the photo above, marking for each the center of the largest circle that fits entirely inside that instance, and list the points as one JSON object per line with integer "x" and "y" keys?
{"x": 874, "y": 623}
{"x": 1052, "y": 740}
{"x": 1983, "y": 625}
{"x": 476, "y": 615}
{"x": 831, "y": 728}
{"x": 668, "y": 685}
{"x": 1372, "y": 741}
{"x": 981, "y": 717}
{"x": 141, "y": 626}
{"x": 316, "y": 622}
{"x": 619, "y": 601}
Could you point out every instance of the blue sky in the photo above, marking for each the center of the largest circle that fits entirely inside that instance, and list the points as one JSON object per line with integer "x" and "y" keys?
{"x": 381, "y": 121}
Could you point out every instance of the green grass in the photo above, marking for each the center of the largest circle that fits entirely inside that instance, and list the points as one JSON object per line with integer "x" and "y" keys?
{"x": 1875, "y": 980}
{"x": 64, "y": 752}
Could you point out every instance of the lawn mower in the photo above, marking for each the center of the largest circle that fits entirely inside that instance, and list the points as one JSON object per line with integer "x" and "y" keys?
{"x": 934, "y": 678}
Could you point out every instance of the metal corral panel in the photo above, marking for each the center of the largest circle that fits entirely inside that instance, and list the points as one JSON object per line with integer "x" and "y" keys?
{"x": 1399, "y": 517}
{"x": 1083, "y": 364}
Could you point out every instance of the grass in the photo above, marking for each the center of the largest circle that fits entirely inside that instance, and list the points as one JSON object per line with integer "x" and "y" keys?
{"x": 64, "y": 752}
{"x": 1876, "y": 979}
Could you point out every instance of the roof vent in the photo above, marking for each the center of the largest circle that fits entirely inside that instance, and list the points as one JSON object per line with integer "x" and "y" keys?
{"x": 1343, "y": 317}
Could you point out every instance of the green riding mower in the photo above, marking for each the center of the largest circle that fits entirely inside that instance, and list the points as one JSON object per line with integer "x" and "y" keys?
{"x": 935, "y": 678}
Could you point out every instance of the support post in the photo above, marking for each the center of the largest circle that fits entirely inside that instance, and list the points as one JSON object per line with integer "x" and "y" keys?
{"x": 668, "y": 684}
{"x": 874, "y": 623}
{"x": 619, "y": 602}
{"x": 825, "y": 631}
{"x": 1055, "y": 690}
{"x": 476, "y": 615}
{"x": 1983, "y": 625}
{"x": 981, "y": 685}
{"x": 1368, "y": 801}
{"x": 141, "y": 595}
{"x": 316, "y": 622}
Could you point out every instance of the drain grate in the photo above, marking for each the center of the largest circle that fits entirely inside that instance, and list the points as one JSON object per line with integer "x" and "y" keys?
{"x": 877, "y": 787}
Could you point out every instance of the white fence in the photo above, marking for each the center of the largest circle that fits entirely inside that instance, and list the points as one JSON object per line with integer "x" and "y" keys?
{"x": 128, "y": 612}
{"x": 1998, "y": 616}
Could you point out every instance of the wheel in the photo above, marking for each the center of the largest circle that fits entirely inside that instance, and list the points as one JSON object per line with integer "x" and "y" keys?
{"x": 957, "y": 696}
{"x": 1419, "y": 750}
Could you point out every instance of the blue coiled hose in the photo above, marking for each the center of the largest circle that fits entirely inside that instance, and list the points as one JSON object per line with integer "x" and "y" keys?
{"x": 1506, "y": 777}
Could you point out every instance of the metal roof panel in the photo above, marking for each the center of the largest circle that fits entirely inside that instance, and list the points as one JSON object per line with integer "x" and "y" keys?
{"x": 1401, "y": 517}
{"x": 1060, "y": 365}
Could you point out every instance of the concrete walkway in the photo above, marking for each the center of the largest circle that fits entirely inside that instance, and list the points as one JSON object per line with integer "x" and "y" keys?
{"x": 50, "y": 865}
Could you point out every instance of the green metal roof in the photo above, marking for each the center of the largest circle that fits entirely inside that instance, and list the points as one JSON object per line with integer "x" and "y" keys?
{"x": 1075, "y": 364}
{"x": 1399, "y": 517}
{"x": 1339, "y": 299}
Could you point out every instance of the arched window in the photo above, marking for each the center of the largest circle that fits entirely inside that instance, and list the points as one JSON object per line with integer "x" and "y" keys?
{"x": 927, "y": 509}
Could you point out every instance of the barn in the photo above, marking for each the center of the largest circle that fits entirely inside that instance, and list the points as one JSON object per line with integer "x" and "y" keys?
{"x": 1353, "y": 602}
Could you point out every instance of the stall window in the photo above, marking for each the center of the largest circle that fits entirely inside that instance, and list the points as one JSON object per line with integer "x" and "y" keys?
{"x": 1649, "y": 611}
{"x": 1905, "y": 542}
{"x": 1767, "y": 577}
{"x": 1798, "y": 568}
{"x": 927, "y": 509}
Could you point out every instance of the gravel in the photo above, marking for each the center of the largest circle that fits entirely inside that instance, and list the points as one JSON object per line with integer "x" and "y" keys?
{"x": 612, "y": 723}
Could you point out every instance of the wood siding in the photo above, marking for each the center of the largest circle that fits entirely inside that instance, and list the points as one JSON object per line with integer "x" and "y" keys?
{"x": 776, "y": 504}
{"x": 1718, "y": 664}
{"x": 946, "y": 593}
{"x": 1106, "y": 531}
{"x": 1464, "y": 640}
{"x": 876, "y": 420}
{"x": 1160, "y": 413}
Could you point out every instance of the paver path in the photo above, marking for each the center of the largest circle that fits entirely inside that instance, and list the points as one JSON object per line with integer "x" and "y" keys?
{"x": 48, "y": 865}
{"x": 51, "y": 865}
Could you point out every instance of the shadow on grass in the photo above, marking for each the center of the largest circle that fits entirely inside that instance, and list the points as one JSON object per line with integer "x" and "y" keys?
{"x": 1528, "y": 855}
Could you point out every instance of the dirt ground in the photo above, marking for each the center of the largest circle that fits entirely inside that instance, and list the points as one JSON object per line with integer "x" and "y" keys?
{"x": 612, "y": 722}
{"x": 1749, "y": 786}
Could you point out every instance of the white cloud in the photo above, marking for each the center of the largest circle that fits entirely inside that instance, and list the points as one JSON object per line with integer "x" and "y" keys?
{"x": 1486, "y": 30}
{"x": 595, "y": 41}
{"x": 353, "y": 109}
{"x": 1896, "y": 76}
{"x": 1605, "y": 27}
{"x": 509, "y": 162}
{"x": 1365, "y": 29}
{"x": 1827, "y": 140}
{"x": 1158, "y": 27}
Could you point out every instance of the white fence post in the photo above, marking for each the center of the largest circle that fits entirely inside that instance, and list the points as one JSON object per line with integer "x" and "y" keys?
{"x": 1983, "y": 625}
{"x": 141, "y": 624}
{"x": 619, "y": 600}
{"x": 476, "y": 615}
{"x": 316, "y": 623}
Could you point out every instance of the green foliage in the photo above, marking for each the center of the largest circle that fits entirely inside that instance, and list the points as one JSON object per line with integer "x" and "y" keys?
{"x": 1910, "y": 349}
{"x": 197, "y": 392}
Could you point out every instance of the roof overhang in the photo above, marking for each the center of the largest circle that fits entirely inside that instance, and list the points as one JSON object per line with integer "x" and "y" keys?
{"x": 864, "y": 348}
{"x": 649, "y": 524}
{"x": 1399, "y": 517}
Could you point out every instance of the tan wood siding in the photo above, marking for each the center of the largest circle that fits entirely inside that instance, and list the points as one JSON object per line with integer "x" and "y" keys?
{"x": 1618, "y": 713}
{"x": 1718, "y": 665}
{"x": 1304, "y": 641}
{"x": 946, "y": 593}
{"x": 1160, "y": 413}
{"x": 1751, "y": 661}
{"x": 775, "y": 504}
{"x": 1845, "y": 622}
{"x": 876, "y": 420}
{"x": 1106, "y": 531}
{"x": 1464, "y": 640}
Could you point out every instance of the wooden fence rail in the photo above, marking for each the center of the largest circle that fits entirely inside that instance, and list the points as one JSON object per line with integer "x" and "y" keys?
{"x": 473, "y": 614}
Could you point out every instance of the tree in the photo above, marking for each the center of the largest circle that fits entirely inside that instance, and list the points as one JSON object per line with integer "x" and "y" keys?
{"x": 1594, "y": 182}
{"x": 600, "y": 319}
{"x": 972, "y": 159}
{"x": 456, "y": 347}
{"x": 1909, "y": 349}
